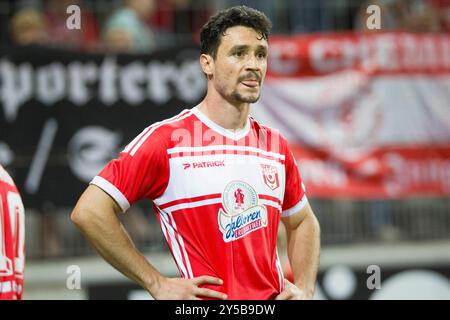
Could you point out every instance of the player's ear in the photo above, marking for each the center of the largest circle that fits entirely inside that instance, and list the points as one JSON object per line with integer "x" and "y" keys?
{"x": 207, "y": 64}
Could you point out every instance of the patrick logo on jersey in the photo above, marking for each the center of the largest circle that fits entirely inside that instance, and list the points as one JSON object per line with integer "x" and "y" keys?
{"x": 242, "y": 214}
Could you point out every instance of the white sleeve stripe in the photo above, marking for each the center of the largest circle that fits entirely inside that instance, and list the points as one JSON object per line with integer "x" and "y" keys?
{"x": 156, "y": 126}
{"x": 110, "y": 189}
{"x": 299, "y": 206}
{"x": 133, "y": 143}
{"x": 135, "y": 140}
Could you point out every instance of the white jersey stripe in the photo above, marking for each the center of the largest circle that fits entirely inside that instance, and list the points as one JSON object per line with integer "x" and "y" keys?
{"x": 175, "y": 248}
{"x": 195, "y": 204}
{"x": 156, "y": 126}
{"x": 180, "y": 238}
{"x": 187, "y": 205}
{"x": 230, "y": 158}
{"x": 280, "y": 271}
{"x": 225, "y": 147}
{"x": 270, "y": 203}
{"x": 164, "y": 230}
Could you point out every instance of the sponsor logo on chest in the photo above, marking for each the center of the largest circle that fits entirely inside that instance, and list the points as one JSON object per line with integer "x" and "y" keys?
{"x": 241, "y": 212}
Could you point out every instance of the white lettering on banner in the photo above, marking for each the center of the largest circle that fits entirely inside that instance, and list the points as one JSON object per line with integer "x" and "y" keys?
{"x": 321, "y": 55}
{"x": 160, "y": 74}
{"x": 40, "y": 158}
{"x": 321, "y": 172}
{"x": 407, "y": 174}
{"x": 80, "y": 75}
{"x": 383, "y": 52}
{"x": 16, "y": 87}
{"x": 90, "y": 149}
{"x": 131, "y": 80}
{"x": 283, "y": 57}
{"x": 189, "y": 83}
{"x": 386, "y": 50}
{"x": 78, "y": 82}
{"x": 50, "y": 83}
{"x": 107, "y": 79}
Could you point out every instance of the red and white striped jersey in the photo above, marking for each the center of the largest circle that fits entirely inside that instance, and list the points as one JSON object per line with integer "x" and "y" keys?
{"x": 12, "y": 239}
{"x": 218, "y": 196}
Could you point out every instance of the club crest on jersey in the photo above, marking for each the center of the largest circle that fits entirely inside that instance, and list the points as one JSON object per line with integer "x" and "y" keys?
{"x": 242, "y": 214}
{"x": 270, "y": 176}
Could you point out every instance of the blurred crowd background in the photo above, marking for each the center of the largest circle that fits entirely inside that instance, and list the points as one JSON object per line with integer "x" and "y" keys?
{"x": 144, "y": 26}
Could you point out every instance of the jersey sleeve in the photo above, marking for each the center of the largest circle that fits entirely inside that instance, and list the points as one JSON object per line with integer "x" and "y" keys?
{"x": 141, "y": 171}
{"x": 294, "y": 196}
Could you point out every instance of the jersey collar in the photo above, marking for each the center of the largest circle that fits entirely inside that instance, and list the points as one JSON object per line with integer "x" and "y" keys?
{"x": 234, "y": 135}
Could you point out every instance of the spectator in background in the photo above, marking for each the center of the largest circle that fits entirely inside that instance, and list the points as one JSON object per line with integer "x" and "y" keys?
{"x": 27, "y": 27}
{"x": 442, "y": 9}
{"x": 189, "y": 17}
{"x": 394, "y": 15}
{"x": 311, "y": 15}
{"x": 176, "y": 21}
{"x": 86, "y": 39}
{"x": 399, "y": 15}
{"x": 423, "y": 17}
{"x": 269, "y": 7}
{"x": 126, "y": 30}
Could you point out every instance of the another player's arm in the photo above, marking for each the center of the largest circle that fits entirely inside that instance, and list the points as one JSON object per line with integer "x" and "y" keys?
{"x": 303, "y": 245}
{"x": 95, "y": 214}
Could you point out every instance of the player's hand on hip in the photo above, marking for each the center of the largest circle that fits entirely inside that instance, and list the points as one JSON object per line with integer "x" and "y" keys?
{"x": 292, "y": 292}
{"x": 187, "y": 289}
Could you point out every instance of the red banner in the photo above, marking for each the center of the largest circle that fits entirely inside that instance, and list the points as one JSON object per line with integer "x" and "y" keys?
{"x": 371, "y": 53}
{"x": 367, "y": 115}
{"x": 390, "y": 172}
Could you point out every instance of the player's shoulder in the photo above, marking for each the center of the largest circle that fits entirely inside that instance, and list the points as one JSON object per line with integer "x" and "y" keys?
{"x": 160, "y": 135}
{"x": 170, "y": 131}
{"x": 183, "y": 120}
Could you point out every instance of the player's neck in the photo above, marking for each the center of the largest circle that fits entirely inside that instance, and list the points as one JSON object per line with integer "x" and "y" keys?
{"x": 225, "y": 114}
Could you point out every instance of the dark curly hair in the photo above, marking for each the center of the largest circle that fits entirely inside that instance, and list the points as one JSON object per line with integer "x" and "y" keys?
{"x": 215, "y": 28}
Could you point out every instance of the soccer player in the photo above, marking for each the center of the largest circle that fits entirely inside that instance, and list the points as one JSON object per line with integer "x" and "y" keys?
{"x": 12, "y": 239}
{"x": 219, "y": 181}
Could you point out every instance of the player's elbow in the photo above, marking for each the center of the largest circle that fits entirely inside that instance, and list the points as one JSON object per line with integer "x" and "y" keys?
{"x": 313, "y": 222}
{"x": 80, "y": 216}
{"x": 316, "y": 225}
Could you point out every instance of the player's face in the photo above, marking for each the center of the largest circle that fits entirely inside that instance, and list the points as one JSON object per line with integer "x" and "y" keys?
{"x": 240, "y": 65}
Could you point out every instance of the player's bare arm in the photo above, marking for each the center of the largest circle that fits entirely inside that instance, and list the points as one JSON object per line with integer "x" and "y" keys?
{"x": 96, "y": 215}
{"x": 303, "y": 245}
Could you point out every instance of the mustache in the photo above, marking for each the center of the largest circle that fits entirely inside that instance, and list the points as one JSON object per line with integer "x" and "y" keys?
{"x": 250, "y": 76}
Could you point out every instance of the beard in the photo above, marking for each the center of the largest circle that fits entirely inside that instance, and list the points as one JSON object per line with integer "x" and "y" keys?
{"x": 248, "y": 98}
